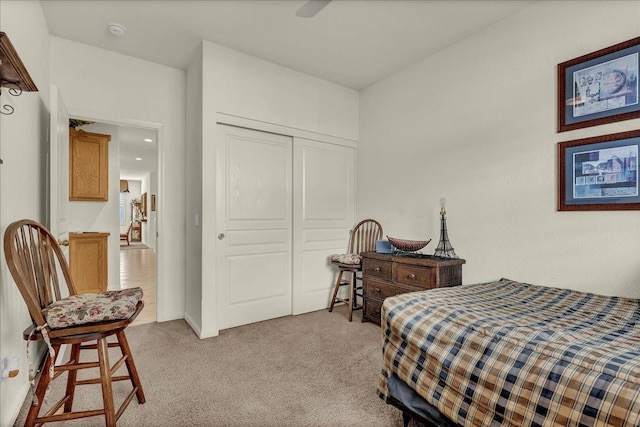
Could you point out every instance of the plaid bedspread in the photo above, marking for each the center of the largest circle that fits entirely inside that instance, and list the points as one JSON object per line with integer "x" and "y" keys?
{"x": 513, "y": 354}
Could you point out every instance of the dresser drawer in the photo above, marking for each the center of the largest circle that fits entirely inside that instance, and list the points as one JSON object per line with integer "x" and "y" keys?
{"x": 415, "y": 276}
{"x": 381, "y": 290}
{"x": 372, "y": 310}
{"x": 376, "y": 268}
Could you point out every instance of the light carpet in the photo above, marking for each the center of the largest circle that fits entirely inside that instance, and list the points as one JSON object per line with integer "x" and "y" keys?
{"x": 315, "y": 369}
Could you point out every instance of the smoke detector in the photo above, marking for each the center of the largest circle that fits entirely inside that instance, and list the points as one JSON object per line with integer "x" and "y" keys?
{"x": 117, "y": 29}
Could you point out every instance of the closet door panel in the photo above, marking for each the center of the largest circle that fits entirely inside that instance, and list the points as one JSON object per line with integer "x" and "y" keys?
{"x": 324, "y": 184}
{"x": 253, "y": 226}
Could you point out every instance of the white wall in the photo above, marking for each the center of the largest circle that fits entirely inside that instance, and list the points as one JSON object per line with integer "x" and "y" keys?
{"x": 103, "y": 216}
{"x": 476, "y": 124}
{"x": 235, "y": 85}
{"x": 23, "y": 148}
{"x": 193, "y": 304}
{"x": 113, "y": 88}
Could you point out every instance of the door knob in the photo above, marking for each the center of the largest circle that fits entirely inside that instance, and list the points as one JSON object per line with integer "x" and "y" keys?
{"x": 220, "y": 236}
{"x": 63, "y": 242}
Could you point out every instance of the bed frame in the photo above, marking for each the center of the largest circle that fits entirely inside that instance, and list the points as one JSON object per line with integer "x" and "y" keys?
{"x": 416, "y": 411}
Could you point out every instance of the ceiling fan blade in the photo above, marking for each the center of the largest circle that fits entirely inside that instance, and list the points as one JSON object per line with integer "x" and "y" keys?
{"x": 311, "y": 8}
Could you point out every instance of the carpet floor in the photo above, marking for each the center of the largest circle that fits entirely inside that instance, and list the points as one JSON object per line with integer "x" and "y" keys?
{"x": 315, "y": 369}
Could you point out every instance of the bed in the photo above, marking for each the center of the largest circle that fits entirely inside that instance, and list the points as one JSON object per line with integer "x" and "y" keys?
{"x": 512, "y": 354}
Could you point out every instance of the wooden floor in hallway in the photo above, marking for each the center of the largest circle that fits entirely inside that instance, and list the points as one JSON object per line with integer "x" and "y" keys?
{"x": 138, "y": 268}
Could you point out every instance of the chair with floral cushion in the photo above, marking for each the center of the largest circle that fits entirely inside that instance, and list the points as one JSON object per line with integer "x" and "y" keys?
{"x": 363, "y": 238}
{"x": 62, "y": 317}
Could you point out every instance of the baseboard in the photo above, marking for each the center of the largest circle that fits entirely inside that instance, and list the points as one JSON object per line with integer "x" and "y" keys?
{"x": 202, "y": 334}
{"x": 192, "y": 323}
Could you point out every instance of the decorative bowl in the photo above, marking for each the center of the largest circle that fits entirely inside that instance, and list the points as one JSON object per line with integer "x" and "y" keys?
{"x": 408, "y": 245}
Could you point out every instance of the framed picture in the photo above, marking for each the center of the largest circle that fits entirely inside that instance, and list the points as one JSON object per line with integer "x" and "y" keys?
{"x": 599, "y": 173}
{"x": 599, "y": 88}
{"x": 144, "y": 207}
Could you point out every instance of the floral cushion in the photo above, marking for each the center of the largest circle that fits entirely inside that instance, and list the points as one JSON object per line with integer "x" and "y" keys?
{"x": 346, "y": 258}
{"x": 89, "y": 308}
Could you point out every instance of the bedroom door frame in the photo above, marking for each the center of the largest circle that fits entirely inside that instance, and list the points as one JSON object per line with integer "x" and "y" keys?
{"x": 160, "y": 249}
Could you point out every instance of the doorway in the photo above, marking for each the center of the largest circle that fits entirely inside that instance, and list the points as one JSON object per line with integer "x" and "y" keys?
{"x": 138, "y": 160}
{"x": 131, "y": 210}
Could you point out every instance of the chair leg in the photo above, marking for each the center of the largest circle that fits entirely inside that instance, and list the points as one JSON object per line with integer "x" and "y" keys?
{"x": 71, "y": 378}
{"x": 43, "y": 382}
{"x": 352, "y": 293}
{"x": 131, "y": 366}
{"x": 105, "y": 381}
{"x": 335, "y": 291}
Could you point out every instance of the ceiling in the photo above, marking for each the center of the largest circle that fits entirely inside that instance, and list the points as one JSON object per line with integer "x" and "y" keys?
{"x": 133, "y": 145}
{"x": 353, "y": 43}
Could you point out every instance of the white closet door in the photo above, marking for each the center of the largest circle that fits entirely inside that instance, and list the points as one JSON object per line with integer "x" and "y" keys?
{"x": 253, "y": 226}
{"x": 324, "y": 185}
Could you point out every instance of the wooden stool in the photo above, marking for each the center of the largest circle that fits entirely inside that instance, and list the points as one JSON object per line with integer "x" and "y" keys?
{"x": 40, "y": 269}
{"x": 351, "y": 301}
{"x": 363, "y": 238}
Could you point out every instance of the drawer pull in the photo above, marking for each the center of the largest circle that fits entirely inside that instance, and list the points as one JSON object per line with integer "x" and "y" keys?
{"x": 411, "y": 276}
{"x": 377, "y": 269}
{"x": 378, "y": 290}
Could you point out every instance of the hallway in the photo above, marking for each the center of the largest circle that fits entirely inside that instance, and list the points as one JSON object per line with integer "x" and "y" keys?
{"x": 138, "y": 268}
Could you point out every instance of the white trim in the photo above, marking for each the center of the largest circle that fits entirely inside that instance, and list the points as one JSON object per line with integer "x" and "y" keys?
{"x": 160, "y": 250}
{"x": 199, "y": 332}
{"x": 113, "y": 120}
{"x": 230, "y": 119}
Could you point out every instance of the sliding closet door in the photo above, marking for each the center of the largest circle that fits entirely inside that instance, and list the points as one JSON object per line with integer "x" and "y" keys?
{"x": 253, "y": 226}
{"x": 324, "y": 183}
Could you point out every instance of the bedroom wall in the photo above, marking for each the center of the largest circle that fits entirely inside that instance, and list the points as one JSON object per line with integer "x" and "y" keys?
{"x": 113, "y": 88}
{"x": 23, "y": 148}
{"x": 236, "y": 85}
{"x": 193, "y": 297}
{"x": 476, "y": 124}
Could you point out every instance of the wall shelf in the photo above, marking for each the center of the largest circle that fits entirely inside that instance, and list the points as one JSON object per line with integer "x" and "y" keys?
{"x": 13, "y": 74}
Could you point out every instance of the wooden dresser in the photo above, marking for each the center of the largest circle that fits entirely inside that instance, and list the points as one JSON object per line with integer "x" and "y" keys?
{"x": 385, "y": 275}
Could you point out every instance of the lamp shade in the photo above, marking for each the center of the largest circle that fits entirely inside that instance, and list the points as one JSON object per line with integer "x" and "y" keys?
{"x": 124, "y": 186}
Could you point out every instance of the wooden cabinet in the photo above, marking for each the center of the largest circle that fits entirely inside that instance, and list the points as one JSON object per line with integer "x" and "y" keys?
{"x": 88, "y": 166}
{"x": 386, "y": 275}
{"x": 88, "y": 261}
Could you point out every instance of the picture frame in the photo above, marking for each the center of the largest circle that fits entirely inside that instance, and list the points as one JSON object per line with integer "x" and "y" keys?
{"x": 599, "y": 173}
{"x": 600, "y": 87}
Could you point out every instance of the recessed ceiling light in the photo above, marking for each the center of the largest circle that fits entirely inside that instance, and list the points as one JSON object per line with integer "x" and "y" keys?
{"x": 117, "y": 29}
{"x": 148, "y": 140}
{"x": 138, "y": 158}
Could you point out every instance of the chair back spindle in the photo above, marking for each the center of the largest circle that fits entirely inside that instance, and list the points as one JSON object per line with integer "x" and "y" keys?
{"x": 35, "y": 257}
{"x": 364, "y": 236}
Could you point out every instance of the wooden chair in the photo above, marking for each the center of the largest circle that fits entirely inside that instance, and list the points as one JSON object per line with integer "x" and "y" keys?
{"x": 125, "y": 236}
{"x": 40, "y": 271}
{"x": 363, "y": 238}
